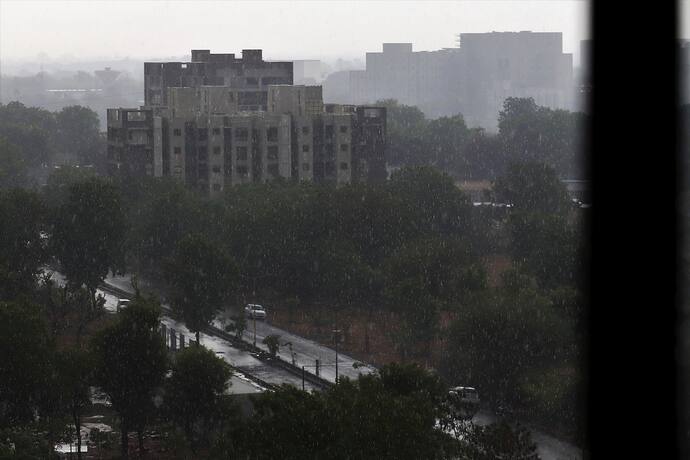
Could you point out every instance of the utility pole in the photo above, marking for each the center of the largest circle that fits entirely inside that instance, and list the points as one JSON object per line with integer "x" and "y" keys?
{"x": 336, "y": 331}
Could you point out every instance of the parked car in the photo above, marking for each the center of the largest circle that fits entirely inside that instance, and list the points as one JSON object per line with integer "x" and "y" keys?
{"x": 256, "y": 311}
{"x": 122, "y": 303}
{"x": 465, "y": 400}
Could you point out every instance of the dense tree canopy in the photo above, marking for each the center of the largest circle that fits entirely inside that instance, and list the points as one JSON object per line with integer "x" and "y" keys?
{"x": 88, "y": 233}
{"x": 131, "y": 363}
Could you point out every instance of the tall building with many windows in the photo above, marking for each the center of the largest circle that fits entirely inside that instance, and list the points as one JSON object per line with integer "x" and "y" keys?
{"x": 205, "y": 136}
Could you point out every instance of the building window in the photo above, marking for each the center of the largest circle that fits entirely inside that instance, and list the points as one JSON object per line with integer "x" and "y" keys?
{"x": 216, "y": 169}
{"x": 305, "y": 129}
{"x": 305, "y": 148}
{"x": 273, "y": 170}
{"x": 216, "y": 150}
{"x": 177, "y": 150}
{"x": 242, "y": 171}
{"x": 343, "y": 129}
{"x": 344, "y": 147}
{"x": 241, "y": 153}
{"x": 177, "y": 132}
{"x": 203, "y": 134}
{"x": 344, "y": 166}
{"x": 216, "y": 187}
{"x": 203, "y": 153}
{"x": 272, "y": 134}
{"x": 216, "y": 131}
{"x": 306, "y": 166}
{"x": 252, "y": 81}
{"x": 231, "y": 96}
{"x": 241, "y": 134}
{"x": 272, "y": 152}
{"x": 329, "y": 168}
{"x": 329, "y": 131}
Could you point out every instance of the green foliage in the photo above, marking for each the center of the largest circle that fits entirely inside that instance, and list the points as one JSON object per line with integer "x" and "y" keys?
{"x": 526, "y": 132}
{"x": 504, "y": 334}
{"x": 40, "y": 138}
{"x": 194, "y": 393}
{"x": 88, "y": 233}
{"x": 273, "y": 343}
{"x": 498, "y": 440}
{"x": 533, "y": 187}
{"x": 202, "y": 278}
{"x": 13, "y": 168}
{"x": 532, "y": 133}
{"x": 25, "y": 362}
{"x": 131, "y": 362}
{"x": 78, "y": 134}
{"x": 238, "y": 327}
{"x": 430, "y": 200}
{"x": 388, "y": 416}
{"x": 22, "y": 248}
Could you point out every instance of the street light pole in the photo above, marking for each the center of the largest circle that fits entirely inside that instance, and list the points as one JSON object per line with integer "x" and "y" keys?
{"x": 254, "y": 321}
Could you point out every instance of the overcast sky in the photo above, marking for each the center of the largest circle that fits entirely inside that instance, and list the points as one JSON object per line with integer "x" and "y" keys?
{"x": 77, "y": 30}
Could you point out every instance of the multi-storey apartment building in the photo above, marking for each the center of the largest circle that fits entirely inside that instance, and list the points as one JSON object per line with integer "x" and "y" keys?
{"x": 249, "y": 75}
{"x": 204, "y": 137}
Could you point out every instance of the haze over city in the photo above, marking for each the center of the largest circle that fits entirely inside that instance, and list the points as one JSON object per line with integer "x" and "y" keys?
{"x": 284, "y": 30}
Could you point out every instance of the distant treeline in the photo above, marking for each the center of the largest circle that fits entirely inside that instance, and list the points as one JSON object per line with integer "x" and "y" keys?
{"x": 33, "y": 140}
{"x": 526, "y": 132}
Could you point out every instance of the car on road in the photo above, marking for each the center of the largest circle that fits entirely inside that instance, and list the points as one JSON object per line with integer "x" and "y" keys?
{"x": 464, "y": 400}
{"x": 255, "y": 311}
{"x": 122, "y": 303}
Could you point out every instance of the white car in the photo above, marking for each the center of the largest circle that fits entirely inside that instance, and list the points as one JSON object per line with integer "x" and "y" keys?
{"x": 122, "y": 303}
{"x": 253, "y": 310}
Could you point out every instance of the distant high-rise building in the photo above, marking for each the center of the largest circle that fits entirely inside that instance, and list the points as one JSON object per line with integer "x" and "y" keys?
{"x": 473, "y": 79}
{"x": 306, "y": 72}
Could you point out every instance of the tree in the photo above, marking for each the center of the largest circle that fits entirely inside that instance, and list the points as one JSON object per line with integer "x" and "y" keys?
{"x": 13, "y": 167}
{"x": 273, "y": 343}
{"x": 194, "y": 393}
{"x": 498, "y": 440}
{"x": 533, "y": 187}
{"x": 404, "y": 127}
{"x": 390, "y": 415}
{"x": 88, "y": 234}
{"x": 22, "y": 246}
{"x": 431, "y": 202}
{"x": 75, "y": 369}
{"x": 131, "y": 362}
{"x": 238, "y": 327}
{"x": 31, "y": 130}
{"x": 502, "y": 335}
{"x": 202, "y": 278}
{"x": 445, "y": 140}
{"x": 529, "y": 132}
{"x": 25, "y": 355}
{"x": 78, "y": 134}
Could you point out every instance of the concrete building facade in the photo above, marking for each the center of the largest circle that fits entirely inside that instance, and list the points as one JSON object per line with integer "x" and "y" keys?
{"x": 203, "y": 138}
{"x": 249, "y": 75}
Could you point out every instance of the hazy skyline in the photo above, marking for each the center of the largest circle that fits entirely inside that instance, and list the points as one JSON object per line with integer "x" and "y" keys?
{"x": 78, "y": 30}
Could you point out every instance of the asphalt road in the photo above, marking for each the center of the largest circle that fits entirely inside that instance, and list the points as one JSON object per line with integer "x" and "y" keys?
{"x": 307, "y": 351}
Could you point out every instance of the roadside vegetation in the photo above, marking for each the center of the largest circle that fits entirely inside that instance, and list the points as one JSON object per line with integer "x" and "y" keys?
{"x": 413, "y": 247}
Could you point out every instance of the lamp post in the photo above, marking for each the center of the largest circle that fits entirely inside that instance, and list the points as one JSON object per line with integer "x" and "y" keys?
{"x": 254, "y": 321}
{"x": 336, "y": 332}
